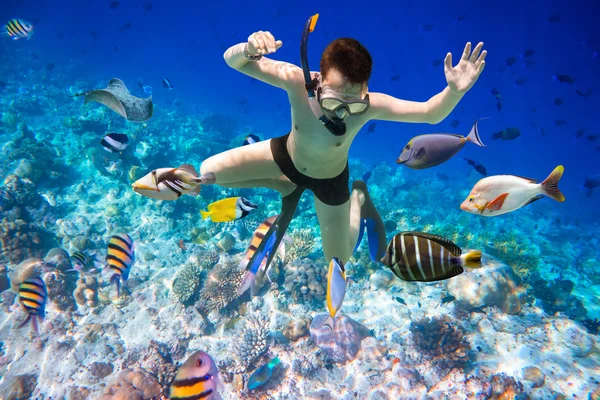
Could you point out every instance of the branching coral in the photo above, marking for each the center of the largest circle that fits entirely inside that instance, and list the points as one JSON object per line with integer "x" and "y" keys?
{"x": 441, "y": 342}
{"x": 187, "y": 283}
{"x": 301, "y": 245}
{"x": 220, "y": 287}
{"x": 253, "y": 342}
{"x": 505, "y": 387}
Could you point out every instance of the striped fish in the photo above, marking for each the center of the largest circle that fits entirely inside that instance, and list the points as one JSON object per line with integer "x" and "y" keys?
{"x": 82, "y": 262}
{"x": 33, "y": 296}
{"x": 198, "y": 378}
{"x": 18, "y": 29}
{"x": 120, "y": 258}
{"x": 418, "y": 256}
{"x": 171, "y": 183}
{"x": 261, "y": 259}
{"x": 227, "y": 210}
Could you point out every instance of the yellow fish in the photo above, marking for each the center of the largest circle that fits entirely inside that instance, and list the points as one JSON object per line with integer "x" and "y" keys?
{"x": 228, "y": 210}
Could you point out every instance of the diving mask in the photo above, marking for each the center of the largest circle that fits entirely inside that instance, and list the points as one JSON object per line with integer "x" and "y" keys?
{"x": 330, "y": 101}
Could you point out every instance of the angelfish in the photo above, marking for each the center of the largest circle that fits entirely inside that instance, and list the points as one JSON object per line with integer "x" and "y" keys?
{"x": 425, "y": 151}
{"x": 501, "y": 194}
{"x": 171, "y": 183}
{"x": 336, "y": 288}
{"x": 198, "y": 378}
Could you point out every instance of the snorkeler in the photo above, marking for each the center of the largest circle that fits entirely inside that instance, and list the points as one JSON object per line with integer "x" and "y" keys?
{"x": 328, "y": 109}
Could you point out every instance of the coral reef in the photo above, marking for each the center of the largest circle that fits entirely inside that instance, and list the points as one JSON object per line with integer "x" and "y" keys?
{"x": 505, "y": 387}
{"x": 298, "y": 328}
{"x": 441, "y": 342}
{"x": 220, "y": 287}
{"x": 342, "y": 343}
{"x": 186, "y": 285}
{"x": 556, "y": 297}
{"x": 101, "y": 369}
{"x": 534, "y": 375}
{"x": 86, "y": 292}
{"x": 305, "y": 281}
{"x": 19, "y": 387}
{"x": 60, "y": 290}
{"x": 301, "y": 244}
{"x": 253, "y": 342}
{"x": 132, "y": 384}
{"x": 25, "y": 270}
{"x": 495, "y": 284}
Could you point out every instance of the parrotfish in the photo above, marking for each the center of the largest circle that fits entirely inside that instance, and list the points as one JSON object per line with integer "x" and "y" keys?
{"x": 418, "y": 256}
{"x": 120, "y": 258}
{"x": 33, "y": 296}
{"x": 228, "y": 210}
{"x": 501, "y": 194}
{"x": 262, "y": 374}
{"x": 198, "y": 378}
{"x": 260, "y": 261}
{"x": 171, "y": 183}
{"x": 425, "y": 151}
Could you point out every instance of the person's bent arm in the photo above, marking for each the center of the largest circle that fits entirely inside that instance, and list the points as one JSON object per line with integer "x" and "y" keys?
{"x": 277, "y": 73}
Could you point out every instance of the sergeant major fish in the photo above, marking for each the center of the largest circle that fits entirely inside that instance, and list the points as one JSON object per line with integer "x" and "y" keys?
{"x": 171, "y": 183}
{"x": 418, "y": 256}
{"x": 425, "y": 151}
{"x": 227, "y": 210}
{"x": 501, "y": 194}
{"x": 33, "y": 296}
{"x": 120, "y": 258}
{"x": 18, "y": 29}
{"x": 197, "y": 379}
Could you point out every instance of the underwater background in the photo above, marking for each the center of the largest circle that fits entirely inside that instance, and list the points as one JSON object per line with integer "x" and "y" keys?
{"x": 525, "y": 326}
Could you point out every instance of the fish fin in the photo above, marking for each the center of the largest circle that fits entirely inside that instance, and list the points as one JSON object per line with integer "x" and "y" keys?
{"x": 497, "y": 203}
{"x": 442, "y": 241}
{"x": 188, "y": 168}
{"x": 107, "y": 99}
{"x": 204, "y": 214}
{"x": 536, "y": 198}
{"x": 208, "y": 179}
{"x": 247, "y": 283}
{"x": 469, "y": 161}
{"x": 34, "y": 324}
{"x": 373, "y": 237}
{"x": 274, "y": 362}
{"x": 195, "y": 191}
{"x": 115, "y": 279}
{"x": 361, "y": 232}
{"x": 550, "y": 185}
{"x": 375, "y": 228}
{"x": 532, "y": 180}
{"x": 472, "y": 259}
{"x": 474, "y": 135}
{"x": 420, "y": 154}
{"x": 22, "y": 324}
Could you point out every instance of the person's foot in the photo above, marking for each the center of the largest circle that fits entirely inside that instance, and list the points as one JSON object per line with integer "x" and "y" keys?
{"x": 371, "y": 220}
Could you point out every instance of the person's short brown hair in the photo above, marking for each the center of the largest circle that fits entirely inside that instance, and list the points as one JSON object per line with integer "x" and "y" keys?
{"x": 350, "y": 58}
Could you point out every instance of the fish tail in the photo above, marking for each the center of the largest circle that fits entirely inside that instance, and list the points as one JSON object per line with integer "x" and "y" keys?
{"x": 205, "y": 214}
{"x": 550, "y": 185}
{"x": 472, "y": 259}
{"x": 22, "y": 324}
{"x": 474, "y": 135}
{"x": 34, "y": 324}
{"x": 207, "y": 179}
{"x": 247, "y": 283}
{"x": 115, "y": 279}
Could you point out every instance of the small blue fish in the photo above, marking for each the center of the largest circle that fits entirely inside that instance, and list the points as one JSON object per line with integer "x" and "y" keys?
{"x": 18, "y": 29}
{"x": 262, "y": 374}
{"x": 146, "y": 89}
{"x": 251, "y": 139}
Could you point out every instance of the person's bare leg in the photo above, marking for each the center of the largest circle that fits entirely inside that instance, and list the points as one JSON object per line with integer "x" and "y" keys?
{"x": 242, "y": 164}
{"x": 281, "y": 184}
{"x": 340, "y": 226}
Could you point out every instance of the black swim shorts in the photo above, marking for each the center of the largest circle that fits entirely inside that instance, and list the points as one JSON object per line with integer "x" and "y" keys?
{"x": 331, "y": 191}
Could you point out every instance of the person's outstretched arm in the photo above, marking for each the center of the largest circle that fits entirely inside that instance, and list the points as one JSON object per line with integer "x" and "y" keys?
{"x": 276, "y": 73}
{"x": 460, "y": 79}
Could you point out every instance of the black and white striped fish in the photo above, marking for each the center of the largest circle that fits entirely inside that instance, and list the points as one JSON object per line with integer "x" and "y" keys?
{"x": 18, "y": 29}
{"x": 418, "y": 256}
{"x": 171, "y": 183}
{"x": 115, "y": 142}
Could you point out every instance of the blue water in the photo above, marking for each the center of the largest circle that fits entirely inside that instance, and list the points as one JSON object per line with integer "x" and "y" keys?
{"x": 88, "y": 44}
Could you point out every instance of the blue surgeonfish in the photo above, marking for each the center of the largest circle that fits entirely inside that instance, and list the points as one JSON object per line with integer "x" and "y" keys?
{"x": 336, "y": 288}
{"x": 227, "y": 210}
{"x": 197, "y": 379}
{"x": 120, "y": 258}
{"x": 425, "y": 151}
{"x": 262, "y": 374}
{"x": 33, "y": 296}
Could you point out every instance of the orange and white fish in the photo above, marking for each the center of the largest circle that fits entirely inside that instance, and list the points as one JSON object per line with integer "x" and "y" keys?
{"x": 501, "y": 194}
{"x": 198, "y": 378}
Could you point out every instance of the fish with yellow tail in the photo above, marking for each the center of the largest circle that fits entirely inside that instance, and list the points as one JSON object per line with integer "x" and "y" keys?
{"x": 501, "y": 194}
{"x": 260, "y": 261}
{"x": 336, "y": 289}
{"x": 228, "y": 210}
{"x": 418, "y": 256}
{"x": 197, "y": 379}
{"x": 32, "y": 297}
{"x": 120, "y": 258}
{"x": 172, "y": 183}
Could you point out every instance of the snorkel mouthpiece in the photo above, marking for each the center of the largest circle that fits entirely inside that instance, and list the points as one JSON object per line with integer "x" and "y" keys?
{"x": 337, "y": 127}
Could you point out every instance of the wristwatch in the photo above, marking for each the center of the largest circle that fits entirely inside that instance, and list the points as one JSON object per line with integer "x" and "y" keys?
{"x": 251, "y": 57}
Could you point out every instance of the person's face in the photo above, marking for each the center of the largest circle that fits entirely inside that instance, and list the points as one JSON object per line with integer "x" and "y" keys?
{"x": 343, "y": 89}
